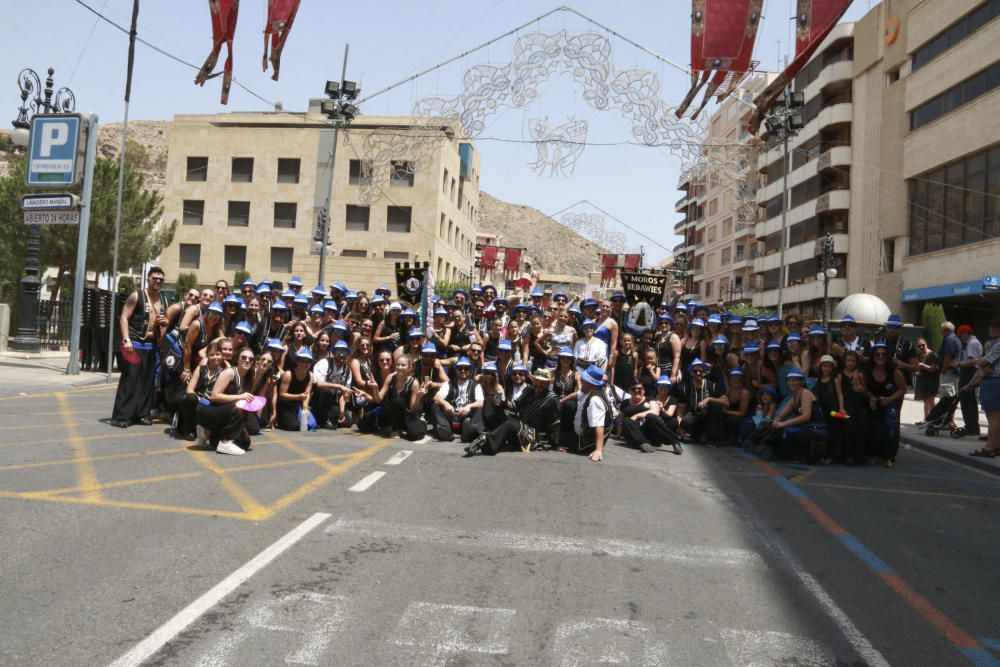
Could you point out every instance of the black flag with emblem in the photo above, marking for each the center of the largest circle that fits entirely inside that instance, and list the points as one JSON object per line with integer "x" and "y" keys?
{"x": 409, "y": 280}
{"x": 644, "y": 291}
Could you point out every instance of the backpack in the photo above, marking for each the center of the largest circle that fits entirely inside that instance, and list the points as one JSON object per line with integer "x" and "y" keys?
{"x": 172, "y": 352}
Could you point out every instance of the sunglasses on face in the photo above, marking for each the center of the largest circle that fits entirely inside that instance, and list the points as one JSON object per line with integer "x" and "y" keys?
{"x": 922, "y": 347}
{"x": 156, "y": 279}
{"x": 880, "y": 354}
{"x": 246, "y": 358}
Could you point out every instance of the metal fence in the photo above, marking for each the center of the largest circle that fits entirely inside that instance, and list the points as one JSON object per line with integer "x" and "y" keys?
{"x": 55, "y": 318}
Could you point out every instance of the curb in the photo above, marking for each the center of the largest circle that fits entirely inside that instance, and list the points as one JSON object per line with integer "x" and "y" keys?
{"x": 970, "y": 461}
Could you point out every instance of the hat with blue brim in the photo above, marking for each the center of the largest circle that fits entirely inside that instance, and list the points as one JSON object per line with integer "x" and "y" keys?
{"x": 295, "y": 282}
{"x": 593, "y": 375}
{"x": 341, "y": 346}
{"x": 244, "y": 328}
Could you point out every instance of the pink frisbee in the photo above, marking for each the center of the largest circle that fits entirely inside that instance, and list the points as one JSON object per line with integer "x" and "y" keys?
{"x": 254, "y": 405}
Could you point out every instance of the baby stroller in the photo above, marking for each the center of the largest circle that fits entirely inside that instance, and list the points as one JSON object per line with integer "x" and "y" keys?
{"x": 937, "y": 418}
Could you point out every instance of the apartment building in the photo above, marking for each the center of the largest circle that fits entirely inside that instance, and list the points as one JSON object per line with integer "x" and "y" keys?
{"x": 719, "y": 235}
{"x": 927, "y": 156}
{"x": 246, "y": 189}
{"x": 819, "y": 180}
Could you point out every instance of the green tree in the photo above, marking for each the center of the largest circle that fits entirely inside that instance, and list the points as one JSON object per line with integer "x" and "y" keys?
{"x": 126, "y": 284}
{"x": 142, "y": 235}
{"x": 745, "y": 310}
{"x": 238, "y": 278}
{"x": 444, "y": 288}
{"x": 185, "y": 282}
{"x": 931, "y": 317}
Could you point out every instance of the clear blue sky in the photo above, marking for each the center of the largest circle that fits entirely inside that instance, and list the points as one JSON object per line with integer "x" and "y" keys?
{"x": 389, "y": 40}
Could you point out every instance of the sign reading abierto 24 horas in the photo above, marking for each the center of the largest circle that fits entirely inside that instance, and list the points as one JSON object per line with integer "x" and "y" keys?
{"x": 55, "y": 159}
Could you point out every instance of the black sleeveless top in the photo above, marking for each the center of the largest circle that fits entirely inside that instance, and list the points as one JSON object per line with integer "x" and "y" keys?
{"x": 297, "y": 386}
{"x": 404, "y": 394}
{"x": 665, "y": 353}
{"x": 138, "y": 323}
{"x": 625, "y": 370}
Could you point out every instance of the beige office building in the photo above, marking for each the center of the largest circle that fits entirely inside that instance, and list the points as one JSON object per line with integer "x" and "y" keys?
{"x": 246, "y": 189}
{"x": 926, "y": 142}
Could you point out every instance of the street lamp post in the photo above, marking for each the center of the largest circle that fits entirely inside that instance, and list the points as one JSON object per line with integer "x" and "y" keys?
{"x": 34, "y": 100}
{"x": 341, "y": 110}
{"x": 826, "y": 273}
{"x": 785, "y": 121}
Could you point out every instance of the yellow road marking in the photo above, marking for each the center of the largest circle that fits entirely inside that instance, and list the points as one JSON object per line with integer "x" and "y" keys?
{"x": 109, "y": 457}
{"x": 803, "y": 476}
{"x": 87, "y": 438}
{"x": 35, "y": 427}
{"x": 176, "y": 509}
{"x": 301, "y": 451}
{"x": 238, "y": 493}
{"x": 84, "y": 468}
{"x": 909, "y": 492}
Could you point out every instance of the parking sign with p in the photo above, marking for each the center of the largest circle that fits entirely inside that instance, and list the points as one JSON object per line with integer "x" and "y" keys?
{"x": 55, "y": 153}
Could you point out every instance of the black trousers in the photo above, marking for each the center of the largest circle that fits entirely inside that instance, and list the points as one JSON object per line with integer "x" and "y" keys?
{"x": 967, "y": 400}
{"x": 473, "y": 426}
{"x": 654, "y": 430}
{"x": 854, "y": 436}
{"x": 172, "y": 400}
{"x": 708, "y": 425}
{"x": 399, "y": 418}
{"x": 567, "y": 414}
{"x": 136, "y": 387}
{"x": 504, "y": 435}
{"x": 439, "y": 423}
{"x": 223, "y": 421}
{"x": 325, "y": 406}
{"x": 288, "y": 415}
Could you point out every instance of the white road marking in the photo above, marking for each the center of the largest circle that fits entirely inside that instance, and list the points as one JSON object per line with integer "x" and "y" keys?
{"x": 399, "y": 457}
{"x": 607, "y": 641}
{"x": 367, "y": 481}
{"x": 752, "y": 648}
{"x": 189, "y": 614}
{"x": 314, "y": 616}
{"x": 444, "y": 631}
{"x": 690, "y": 555}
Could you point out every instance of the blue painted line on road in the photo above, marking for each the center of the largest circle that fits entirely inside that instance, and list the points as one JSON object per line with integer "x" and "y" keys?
{"x": 790, "y": 488}
{"x": 874, "y": 563}
{"x": 992, "y": 644}
{"x": 980, "y": 657}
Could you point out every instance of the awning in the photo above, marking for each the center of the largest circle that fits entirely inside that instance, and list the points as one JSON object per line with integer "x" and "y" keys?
{"x": 988, "y": 283}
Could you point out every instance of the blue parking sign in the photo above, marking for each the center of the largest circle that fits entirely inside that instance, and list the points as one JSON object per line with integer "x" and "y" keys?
{"x": 55, "y": 150}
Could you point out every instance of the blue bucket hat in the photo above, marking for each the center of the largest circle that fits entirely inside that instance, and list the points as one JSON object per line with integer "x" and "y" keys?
{"x": 440, "y": 311}
{"x": 697, "y": 322}
{"x": 793, "y": 337}
{"x": 589, "y": 303}
{"x": 384, "y": 290}
{"x": 316, "y": 309}
{"x": 429, "y": 348}
{"x": 295, "y": 282}
{"x": 244, "y": 328}
{"x": 376, "y": 300}
{"x": 537, "y": 293}
{"x": 463, "y": 362}
{"x": 618, "y": 296}
{"x": 714, "y": 319}
{"x": 817, "y": 330}
{"x": 304, "y": 354}
{"x": 721, "y": 340}
{"x": 216, "y": 307}
{"x": 341, "y": 325}
{"x": 848, "y": 319}
{"x": 301, "y": 300}
{"x": 519, "y": 368}
{"x": 341, "y": 345}
{"x": 795, "y": 373}
{"x": 736, "y": 372}
{"x": 895, "y": 321}
{"x": 565, "y": 352}
{"x": 279, "y": 306}
{"x": 664, "y": 381}
{"x": 774, "y": 345}
{"x": 664, "y": 317}
{"x": 490, "y": 368}
{"x": 588, "y": 324}
{"x": 415, "y": 333}
{"x": 749, "y": 325}
{"x": 275, "y": 344}
{"x": 248, "y": 283}
{"x": 318, "y": 290}
{"x": 750, "y": 349}
{"x": 231, "y": 300}
{"x": 504, "y": 345}
{"x": 593, "y": 375}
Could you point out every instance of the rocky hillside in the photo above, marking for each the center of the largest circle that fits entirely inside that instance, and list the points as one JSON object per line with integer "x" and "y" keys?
{"x": 554, "y": 247}
{"x": 150, "y": 140}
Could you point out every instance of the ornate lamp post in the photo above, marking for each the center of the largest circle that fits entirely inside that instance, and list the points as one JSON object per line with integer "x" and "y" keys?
{"x": 826, "y": 273}
{"x": 34, "y": 100}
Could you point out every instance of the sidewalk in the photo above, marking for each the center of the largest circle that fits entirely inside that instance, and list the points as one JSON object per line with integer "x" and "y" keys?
{"x": 39, "y": 373}
{"x": 956, "y": 449}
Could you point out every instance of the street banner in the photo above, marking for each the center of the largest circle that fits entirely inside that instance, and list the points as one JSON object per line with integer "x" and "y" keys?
{"x": 644, "y": 291}
{"x": 409, "y": 281}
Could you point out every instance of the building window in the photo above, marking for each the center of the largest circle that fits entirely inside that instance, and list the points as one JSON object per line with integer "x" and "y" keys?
{"x": 452, "y": 195}
{"x": 958, "y": 95}
{"x": 401, "y": 174}
{"x": 392, "y": 254}
{"x": 955, "y": 33}
{"x": 235, "y": 258}
{"x": 359, "y": 172}
{"x": 726, "y": 256}
{"x": 197, "y": 168}
{"x": 194, "y": 212}
{"x": 709, "y": 288}
{"x": 358, "y": 218}
{"x": 955, "y": 204}
{"x": 888, "y": 256}
{"x": 190, "y": 256}
{"x": 398, "y": 219}
{"x": 713, "y": 206}
{"x": 281, "y": 260}
{"x": 242, "y": 170}
{"x": 444, "y": 189}
{"x": 284, "y": 214}
{"x": 441, "y": 227}
{"x": 727, "y": 228}
{"x": 239, "y": 214}
{"x": 711, "y": 234}
{"x": 288, "y": 169}
{"x": 353, "y": 253}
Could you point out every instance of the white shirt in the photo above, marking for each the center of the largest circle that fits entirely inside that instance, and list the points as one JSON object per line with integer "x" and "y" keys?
{"x": 322, "y": 367}
{"x": 516, "y": 391}
{"x": 595, "y": 412}
{"x": 972, "y": 350}
{"x": 593, "y": 351}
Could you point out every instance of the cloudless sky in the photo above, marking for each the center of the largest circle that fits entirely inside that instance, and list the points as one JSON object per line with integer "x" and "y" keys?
{"x": 390, "y": 40}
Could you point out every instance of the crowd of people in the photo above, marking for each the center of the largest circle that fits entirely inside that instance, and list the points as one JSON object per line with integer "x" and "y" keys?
{"x": 536, "y": 370}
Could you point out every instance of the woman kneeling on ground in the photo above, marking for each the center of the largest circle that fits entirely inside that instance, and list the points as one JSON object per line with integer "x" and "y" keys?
{"x": 221, "y": 419}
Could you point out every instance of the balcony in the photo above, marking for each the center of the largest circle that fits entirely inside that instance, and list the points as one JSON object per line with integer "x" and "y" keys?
{"x": 838, "y": 157}
{"x": 678, "y": 226}
{"x": 798, "y": 253}
{"x": 809, "y": 291}
{"x": 832, "y": 200}
{"x": 681, "y": 203}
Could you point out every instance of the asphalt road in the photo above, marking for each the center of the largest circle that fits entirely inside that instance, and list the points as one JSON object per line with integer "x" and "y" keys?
{"x": 330, "y": 549}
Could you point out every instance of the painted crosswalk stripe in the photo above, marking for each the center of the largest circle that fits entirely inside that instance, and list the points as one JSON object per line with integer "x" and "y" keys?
{"x": 367, "y": 481}
{"x": 399, "y": 457}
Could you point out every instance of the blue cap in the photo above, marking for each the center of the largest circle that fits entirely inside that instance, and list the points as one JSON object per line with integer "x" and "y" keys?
{"x": 504, "y": 345}
{"x": 429, "y": 348}
{"x": 301, "y": 300}
{"x": 618, "y": 295}
{"x": 848, "y": 319}
{"x": 274, "y": 344}
{"x": 316, "y": 308}
{"x": 215, "y": 307}
{"x": 519, "y": 368}
{"x": 304, "y": 353}
{"x": 415, "y": 332}
{"x": 664, "y": 381}
{"x": 279, "y": 306}
{"x": 795, "y": 373}
{"x": 537, "y": 293}
{"x": 490, "y": 368}
{"x": 244, "y": 328}
{"x": 463, "y": 362}
{"x": 249, "y": 283}
{"x": 231, "y": 300}
{"x": 817, "y": 330}
{"x": 566, "y": 352}
{"x": 720, "y": 340}
{"x": 895, "y": 321}
{"x": 318, "y": 290}
{"x": 588, "y": 324}
{"x": 340, "y": 325}
{"x": 341, "y": 345}
{"x": 295, "y": 281}
{"x": 736, "y": 372}
{"x": 593, "y": 375}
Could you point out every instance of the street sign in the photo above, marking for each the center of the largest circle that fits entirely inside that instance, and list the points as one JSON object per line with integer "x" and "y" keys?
{"x": 991, "y": 282}
{"x": 51, "y": 217}
{"x": 55, "y": 150}
{"x": 53, "y": 202}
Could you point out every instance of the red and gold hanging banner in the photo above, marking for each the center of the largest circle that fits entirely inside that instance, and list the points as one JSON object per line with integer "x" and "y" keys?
{"x": 488, "y": 261}
{"x": 609, "y": 270}
{"x": 280, "y": 16}
{"x": 224, "y": 15}
{"x": 511, "y": 262}
{"x": 632, "y": 262}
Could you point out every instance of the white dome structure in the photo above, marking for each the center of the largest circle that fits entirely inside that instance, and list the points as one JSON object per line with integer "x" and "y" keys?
{"x": 865, "y": 308}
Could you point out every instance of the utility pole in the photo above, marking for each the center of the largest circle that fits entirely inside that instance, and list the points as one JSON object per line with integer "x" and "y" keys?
{"x": 782, "y": 269}
{"x": 324, "y": 222}
{"x": 86, "y": 206}
{"x": 785, "y": 121}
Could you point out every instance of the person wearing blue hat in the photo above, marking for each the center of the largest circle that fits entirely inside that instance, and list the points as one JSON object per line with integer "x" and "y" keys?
{"x": 803, "y": 431}
{"x": 451, "y": 403}
{"x": 318, "y": 291}
{"x": 248, "y": 289}
{"x": 642, "y": 424}
{"x": 903, "y": 352}
{"x": 589, "y": 349}
{"x": 241, "y": 336}
{"x": 733, "y": 408}
{"x": 668, "y": 345}
{"x": 850, "y": 341}
{"x": 295, "y": 284}
{"x": 332, "y": 382}
{"x": 296, "y": 386}
{"x": 699, "y": 417}
{"x": 593, "y": 419}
